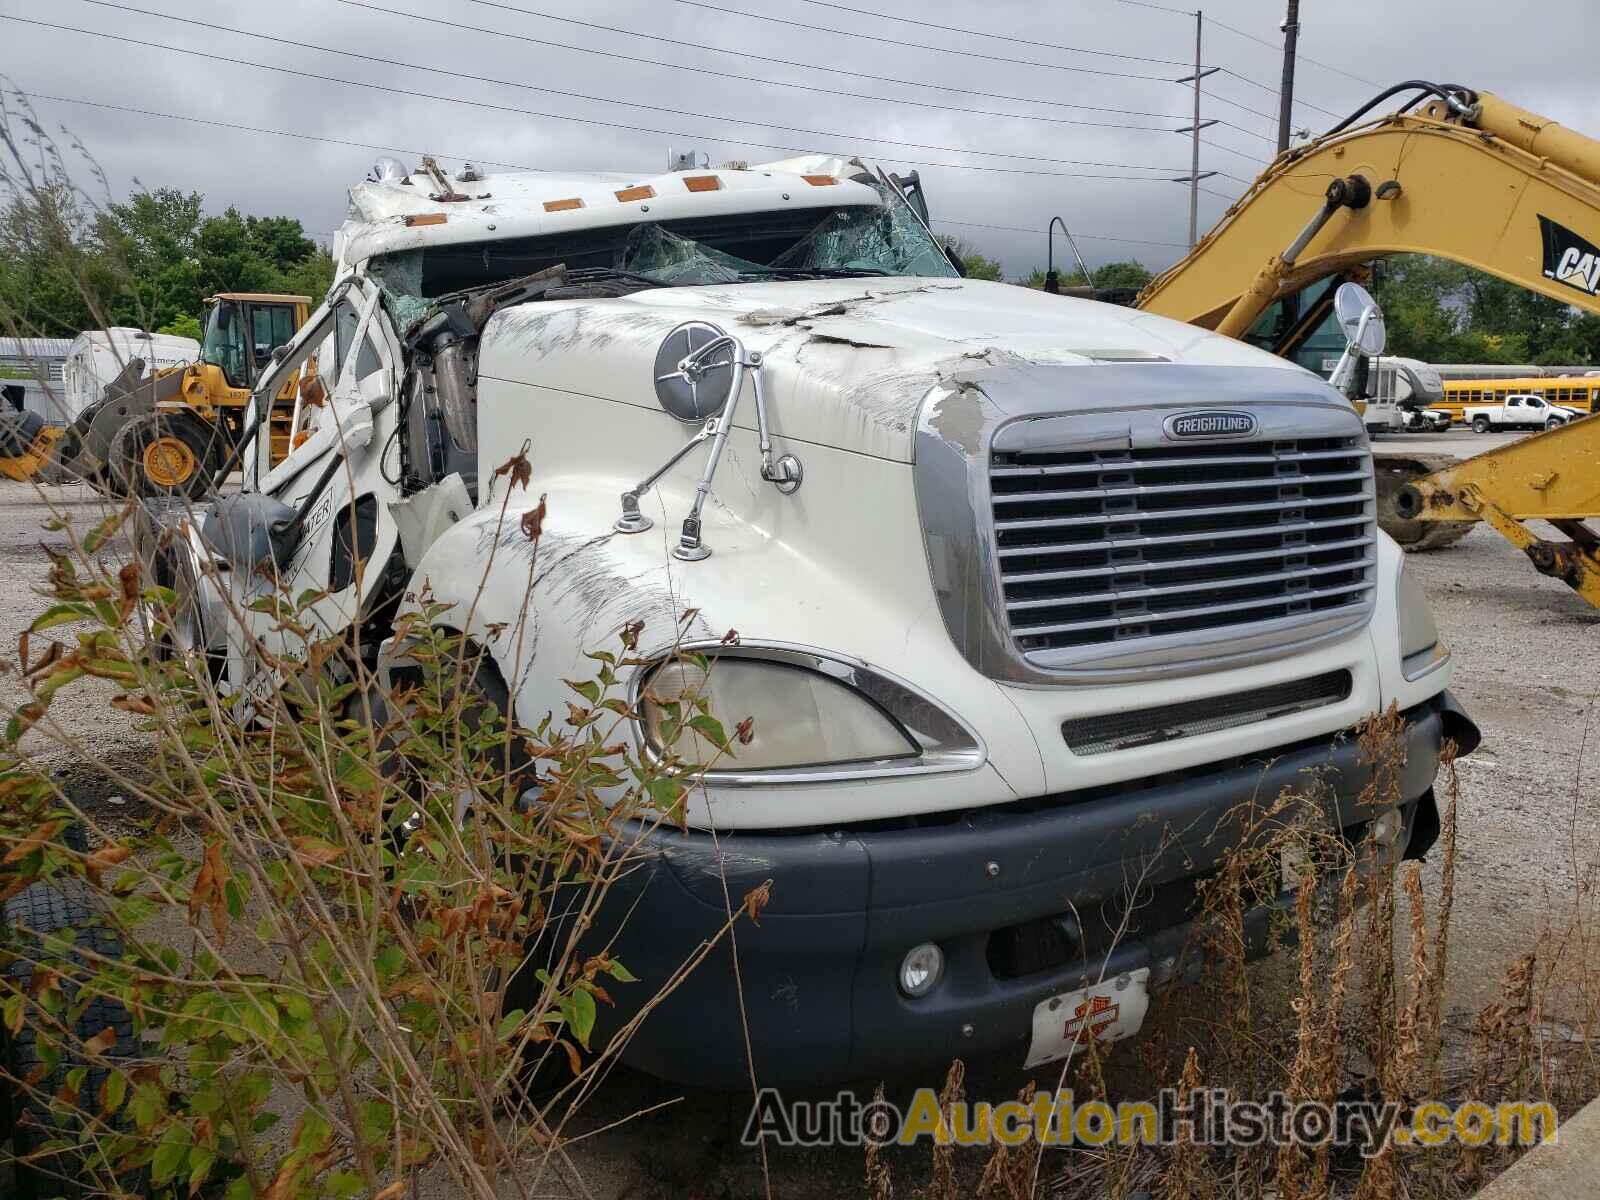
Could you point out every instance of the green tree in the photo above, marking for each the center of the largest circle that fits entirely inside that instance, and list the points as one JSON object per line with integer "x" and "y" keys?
{"x": 978, "y": 265}
{"x": 150, "y": 242}
{"x": 1128, "y": 273}
{"x": 49, "y": 281}
{"x": 184, "y": 326}
{"x": 1442, "y": 311}
{"x": 149, "y": 261}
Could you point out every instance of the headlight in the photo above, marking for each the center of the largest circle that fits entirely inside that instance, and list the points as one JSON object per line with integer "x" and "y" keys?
{"x": 799, "y": 717}
{"x": 1421, "y": 647}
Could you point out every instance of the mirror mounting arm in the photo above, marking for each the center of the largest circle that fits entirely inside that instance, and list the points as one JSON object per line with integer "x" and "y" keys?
{"x": 690, "y": 547}
{"x": 634, "y": 521}
{"x": 786, "y": 473}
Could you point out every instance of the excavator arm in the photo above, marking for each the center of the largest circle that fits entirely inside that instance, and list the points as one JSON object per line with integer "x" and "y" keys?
{"x": 1466, "y": 177}
{"x": 1496, "y": 188}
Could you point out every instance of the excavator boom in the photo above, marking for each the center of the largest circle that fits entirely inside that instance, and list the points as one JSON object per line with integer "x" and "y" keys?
{"x": 1467, "y": 177}
{"x": 1499, "y": 189}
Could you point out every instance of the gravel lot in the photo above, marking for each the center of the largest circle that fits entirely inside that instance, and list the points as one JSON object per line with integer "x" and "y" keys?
{"x": 1526, "y": 655}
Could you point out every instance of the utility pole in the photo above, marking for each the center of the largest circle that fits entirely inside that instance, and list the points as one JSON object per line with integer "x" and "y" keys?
{"x": 1291, "y": 35}
{"x": 1194, "y": 177}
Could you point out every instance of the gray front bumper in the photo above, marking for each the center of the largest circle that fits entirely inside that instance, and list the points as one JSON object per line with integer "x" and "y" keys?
{"x": 819, "y": 971}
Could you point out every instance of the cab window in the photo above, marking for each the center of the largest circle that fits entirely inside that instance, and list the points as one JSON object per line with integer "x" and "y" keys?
{"x": 271, "y": 326}
{"x": 346, "y": 321}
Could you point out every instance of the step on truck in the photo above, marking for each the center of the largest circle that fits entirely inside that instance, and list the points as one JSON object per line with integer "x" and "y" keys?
{"x": 1030, "y": 591}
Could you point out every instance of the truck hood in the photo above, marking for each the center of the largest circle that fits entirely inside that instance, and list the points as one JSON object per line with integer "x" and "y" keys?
{"x": 847, "y": 363}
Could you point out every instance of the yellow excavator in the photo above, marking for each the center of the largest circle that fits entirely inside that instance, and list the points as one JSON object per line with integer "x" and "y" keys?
{"x": 166, "y": 434}
{"x": 1450, "y": 172}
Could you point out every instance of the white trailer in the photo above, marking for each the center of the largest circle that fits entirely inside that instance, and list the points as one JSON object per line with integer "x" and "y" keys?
{"x": 97, "y": 356}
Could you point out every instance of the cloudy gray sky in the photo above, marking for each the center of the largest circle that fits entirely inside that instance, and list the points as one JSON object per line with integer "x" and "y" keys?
{"x": 1007, "y": 129}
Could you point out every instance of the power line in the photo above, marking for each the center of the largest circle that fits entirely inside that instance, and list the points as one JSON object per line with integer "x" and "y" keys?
{"x": 999, "y": 37}
{"x": 1087, "y": 237}
{"x": 1250, "y": 158}
{"x": 814, "y": 67}
{"x": 283, "y": 133}
{"x": 449, "y": 153}
{"x": 389, "y": 62}
{"x": 670, "y": 133}
{"x": 962, "y": 53}
{"x": 1275, "y": 92}
{"x": 1301, "y": 57}
{"x": 1255, "y": 112}
{"x": 1181, "y": 12}
{"x": 806, "y": 87}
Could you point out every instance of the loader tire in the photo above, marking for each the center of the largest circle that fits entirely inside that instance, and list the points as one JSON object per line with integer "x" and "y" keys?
{"x": 1416, "y": 537}
{"x": 164, "y": 455}
{"x": 41, "y": 909}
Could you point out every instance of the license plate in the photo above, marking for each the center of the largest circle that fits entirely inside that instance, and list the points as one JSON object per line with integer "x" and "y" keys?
{"x": 1106, "y": 1012}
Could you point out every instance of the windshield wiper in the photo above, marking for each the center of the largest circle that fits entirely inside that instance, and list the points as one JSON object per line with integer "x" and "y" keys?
{"x": 816, "y": 272}
{"x": 615, "y": 275}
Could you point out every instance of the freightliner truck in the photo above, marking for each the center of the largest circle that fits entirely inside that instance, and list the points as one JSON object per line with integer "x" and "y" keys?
{"x": 1030, "y": 591}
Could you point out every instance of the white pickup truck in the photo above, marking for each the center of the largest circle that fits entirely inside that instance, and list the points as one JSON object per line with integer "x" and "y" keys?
{"x": 1518, "y": 412}
{"x": 1031, "y": 591}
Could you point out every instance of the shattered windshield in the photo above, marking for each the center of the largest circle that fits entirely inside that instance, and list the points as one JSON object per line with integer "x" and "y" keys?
{"x": 848, "y": 241}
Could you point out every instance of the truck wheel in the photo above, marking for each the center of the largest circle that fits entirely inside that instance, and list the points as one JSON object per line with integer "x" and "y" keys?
{"x": 1393, "y": 474}
{"x": 47, "y": 908}
{"x": 1480, "y": 424}
{"x": 165, "y": 454}
{"x": 1553, "y": 423}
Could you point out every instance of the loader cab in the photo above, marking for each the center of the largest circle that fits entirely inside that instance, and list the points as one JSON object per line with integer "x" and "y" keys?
{"x": 242, "y": 330}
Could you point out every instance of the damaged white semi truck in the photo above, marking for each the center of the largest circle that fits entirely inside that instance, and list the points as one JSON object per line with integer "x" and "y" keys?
{"x": 1030, "y": 591}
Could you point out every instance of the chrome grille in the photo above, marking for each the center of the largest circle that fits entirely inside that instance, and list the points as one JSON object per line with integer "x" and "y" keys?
{"x": 1107, "y": 547}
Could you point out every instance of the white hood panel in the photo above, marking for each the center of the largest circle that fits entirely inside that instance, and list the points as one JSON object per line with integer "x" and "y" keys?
{"x": 847, "y": 362}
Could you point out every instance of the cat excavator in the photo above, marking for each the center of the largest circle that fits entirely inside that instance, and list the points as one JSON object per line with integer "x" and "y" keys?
{"x": 1460, "y": 175}
{"x": 165, "y": 434}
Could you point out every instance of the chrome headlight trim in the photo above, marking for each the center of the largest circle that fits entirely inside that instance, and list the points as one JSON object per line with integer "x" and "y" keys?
{"x": 945, "y": 742}
{"x": 1422, "y": 661}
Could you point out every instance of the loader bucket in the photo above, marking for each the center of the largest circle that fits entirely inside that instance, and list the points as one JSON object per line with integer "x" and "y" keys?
{"x": 27, "y": 445}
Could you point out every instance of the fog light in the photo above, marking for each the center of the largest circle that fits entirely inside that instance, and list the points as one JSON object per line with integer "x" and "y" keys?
{"x": 1386, "y": 829}
{"x": 921, "y": 969}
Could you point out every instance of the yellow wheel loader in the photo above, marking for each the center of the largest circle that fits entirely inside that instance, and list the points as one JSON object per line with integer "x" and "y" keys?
{"x": 1454, "y": 173}
{"x": 167, "y": 434}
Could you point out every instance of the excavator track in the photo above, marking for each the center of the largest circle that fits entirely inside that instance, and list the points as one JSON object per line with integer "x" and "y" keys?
{"x": 1395, "y": 469}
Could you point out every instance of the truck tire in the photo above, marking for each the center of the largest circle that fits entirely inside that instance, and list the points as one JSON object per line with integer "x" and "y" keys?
{"x": 166, "y": 455}
{"x": 1394, "y": 472}
{"x": 1553, "y": 423}
{"x": 1480, "y": 424}
{"x": 46, "y": 908}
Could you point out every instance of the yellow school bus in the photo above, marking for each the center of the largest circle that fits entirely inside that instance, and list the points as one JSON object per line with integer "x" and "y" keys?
{"x": 1580, "y": 392}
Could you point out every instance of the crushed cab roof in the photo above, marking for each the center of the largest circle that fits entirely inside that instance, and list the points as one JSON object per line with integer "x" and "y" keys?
{"x": 394, "y": 213}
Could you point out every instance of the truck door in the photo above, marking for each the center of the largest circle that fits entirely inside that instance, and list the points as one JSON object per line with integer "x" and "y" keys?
{"x": 335, "y": 479}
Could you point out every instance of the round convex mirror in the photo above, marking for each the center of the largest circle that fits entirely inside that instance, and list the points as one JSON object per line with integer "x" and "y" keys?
{"x": 1360, "y": 318}
{"x": 696, "y": 393}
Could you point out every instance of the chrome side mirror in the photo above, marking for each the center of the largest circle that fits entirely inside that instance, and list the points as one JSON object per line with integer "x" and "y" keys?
{"x": 1361, "y": 319}
{"x": 1365, "y": 335}
{"x": 699, "y": 377}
